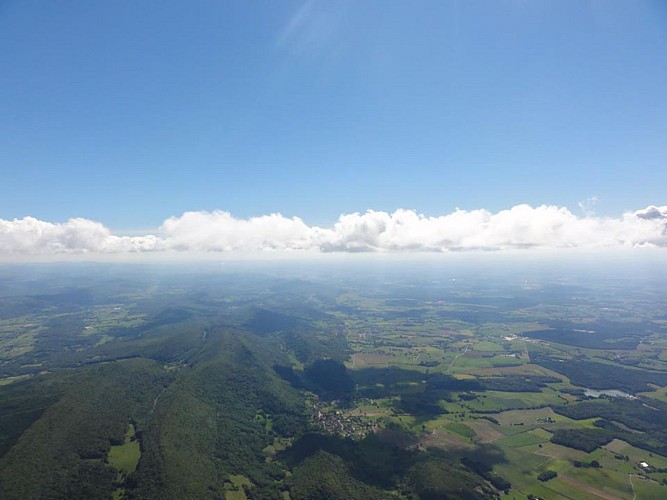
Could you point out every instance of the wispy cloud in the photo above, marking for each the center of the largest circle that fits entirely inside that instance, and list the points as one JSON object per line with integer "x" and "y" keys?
{"x": 403, "y": 231}
{"x": 312, "y": 27}
{"x": 588, "y": 205}
{"x": 296, "y": 23}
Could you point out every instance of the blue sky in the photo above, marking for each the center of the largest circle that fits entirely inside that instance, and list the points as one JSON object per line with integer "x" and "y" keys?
{"x": 131, "y": 112}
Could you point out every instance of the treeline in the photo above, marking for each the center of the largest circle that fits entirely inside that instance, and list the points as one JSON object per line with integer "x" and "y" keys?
{"x": 371, "y": 460}
{"x": 327, "y": 476}
{"x": 599, "y": 339}
{"x": 547, "y": 475}
{"x": 327, "y": 466}
{"x": 589, "y": 439}
{"x": 436, "y": 478}
{"x": 640, "y": 414}
{"x": 384, "y": 382}
{"x": 518, "y": 383}
{"x": 602, "y": 376}
{"x": 308, "y": 333}
{"x": 327, "y": 378}
{"x": 649, "y": 417}
{"x": 486, "y": 471}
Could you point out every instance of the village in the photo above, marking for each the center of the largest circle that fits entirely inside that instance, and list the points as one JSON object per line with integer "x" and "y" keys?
{"x": 335, "y": 421}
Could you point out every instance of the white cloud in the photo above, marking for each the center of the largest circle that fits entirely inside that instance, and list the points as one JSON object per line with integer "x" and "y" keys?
{"x": 33, "y": 236}
{"x": 221, "y": 232}
{"x": 520, "y": 227}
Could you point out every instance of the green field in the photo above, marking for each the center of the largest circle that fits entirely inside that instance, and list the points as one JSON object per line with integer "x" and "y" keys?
{"x": 125, "y": 457}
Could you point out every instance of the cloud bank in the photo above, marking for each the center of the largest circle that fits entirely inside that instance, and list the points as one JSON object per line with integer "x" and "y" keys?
{"x": 32, "y": 236}
{"x": 520, "y": 227}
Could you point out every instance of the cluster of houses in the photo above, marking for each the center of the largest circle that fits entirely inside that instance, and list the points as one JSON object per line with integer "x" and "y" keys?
{"x": 337, "y": 422}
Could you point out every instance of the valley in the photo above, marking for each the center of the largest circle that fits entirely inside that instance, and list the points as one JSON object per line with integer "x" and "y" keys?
{"x": 410, "y": 383}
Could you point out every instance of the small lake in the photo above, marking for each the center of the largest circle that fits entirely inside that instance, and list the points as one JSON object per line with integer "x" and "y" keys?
{"x": 607, "y": 392}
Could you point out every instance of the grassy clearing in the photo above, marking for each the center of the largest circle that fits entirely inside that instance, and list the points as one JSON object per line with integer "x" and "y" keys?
{"x": 461, "y": 429}
{"x": 659, "y": 393}
{"x": 540, "y": 417}
{"x": 11, "y": 380}
{"x": 469, "y": 364}
{"x": 536, "y": 436}
{"x": 17, "y": 337}
{"x": 635, "y": 455}
{"x": 234, "y": 487}
{"x": 443, "y": 439}
{"x": 487, "y": 346}
{"x": 557, "y": 451}
{"x": 125, "y": 457}
{"x": 567, "y": 486}
{"x": 611, "y": 481}
{"x": 524, "y": 369}
{"x": 109, "y": 316}
{"x": 496, "y": 400}
{"x": 485, "y": 431}
{"x": 648, "y": 489}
